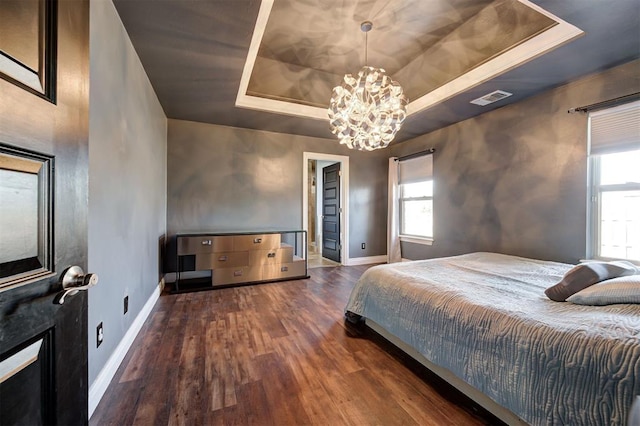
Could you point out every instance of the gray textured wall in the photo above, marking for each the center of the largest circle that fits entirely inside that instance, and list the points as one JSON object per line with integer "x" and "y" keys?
{"x": 514, "y": 180}
{"x": 127, "y": 182}
{"x": 225, "y": 178}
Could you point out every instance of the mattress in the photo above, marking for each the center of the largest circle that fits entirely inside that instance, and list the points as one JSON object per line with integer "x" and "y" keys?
{"x": 485, "y": 318}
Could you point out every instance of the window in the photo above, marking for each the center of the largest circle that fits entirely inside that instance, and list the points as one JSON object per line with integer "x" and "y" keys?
{"x": 416, "y": 209}
{"x": 614, "y": 177}
{"x": 415, "y": 179}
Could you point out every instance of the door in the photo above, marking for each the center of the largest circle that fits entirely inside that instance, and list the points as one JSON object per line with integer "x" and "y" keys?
{"x": 44, "y": 96}
{"x": 331, "y": 212}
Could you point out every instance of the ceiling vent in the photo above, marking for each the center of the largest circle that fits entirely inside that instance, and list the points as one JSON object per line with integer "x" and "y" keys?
{"x": 491, "y": 97}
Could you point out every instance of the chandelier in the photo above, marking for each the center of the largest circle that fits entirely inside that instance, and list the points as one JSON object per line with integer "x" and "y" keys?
{"x": 366, "y": 111}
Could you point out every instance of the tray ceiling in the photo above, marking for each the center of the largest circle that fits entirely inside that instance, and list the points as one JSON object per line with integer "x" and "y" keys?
{"x": 301, "y": 50}
{"x": 304, "y": 51}
{"x": 271, "y": 64}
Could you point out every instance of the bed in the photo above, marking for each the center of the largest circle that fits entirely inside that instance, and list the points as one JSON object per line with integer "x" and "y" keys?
{"x": 483, "y": 322}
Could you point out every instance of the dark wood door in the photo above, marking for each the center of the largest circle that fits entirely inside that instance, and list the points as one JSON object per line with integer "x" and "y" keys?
{"x": 44, "y": 96}
{"x": 331, "y": 212}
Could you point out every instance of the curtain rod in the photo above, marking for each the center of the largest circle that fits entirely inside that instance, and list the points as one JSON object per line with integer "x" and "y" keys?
{"x": 604, "y": 104}
{"x": 417, "y": 154}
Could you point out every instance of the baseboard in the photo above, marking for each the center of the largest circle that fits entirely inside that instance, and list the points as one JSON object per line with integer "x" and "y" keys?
{"x": 366, "y": 260}
{"x": 100, "y": 385}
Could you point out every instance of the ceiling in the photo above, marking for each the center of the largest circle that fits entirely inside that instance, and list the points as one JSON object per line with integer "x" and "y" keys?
{"x": 271, "y": 64}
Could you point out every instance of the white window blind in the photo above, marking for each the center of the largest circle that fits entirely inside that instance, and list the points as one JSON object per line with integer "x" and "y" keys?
{"x": 615, "y": 129}
{"x": 614, "y": 183}
{"x": 416, "y": 169}
{"x": 415, "y": 178}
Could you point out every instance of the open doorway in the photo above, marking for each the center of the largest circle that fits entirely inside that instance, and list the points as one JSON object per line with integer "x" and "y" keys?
{"x": 325, "y": 208}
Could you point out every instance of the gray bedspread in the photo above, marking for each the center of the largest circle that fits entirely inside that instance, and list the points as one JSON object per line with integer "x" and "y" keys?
{"x": 485, "y": 317}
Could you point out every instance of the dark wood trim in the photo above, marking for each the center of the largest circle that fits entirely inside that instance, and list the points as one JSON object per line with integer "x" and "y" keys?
{"x": 23, "y": 270}
{"x": 60, "y": 132}
{"x": 19, "y": 266}
{"x": 51, "y": 46}
{"x": 48, "y": 67}
{"x": 47, "y": 372}
{"x": 48, "y": 378}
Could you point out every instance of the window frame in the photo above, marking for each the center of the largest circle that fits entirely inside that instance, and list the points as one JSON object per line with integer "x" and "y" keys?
{"x": 411, "y": 238}
{"x": 610, "y": 130}
{"x": 594, "y": 207}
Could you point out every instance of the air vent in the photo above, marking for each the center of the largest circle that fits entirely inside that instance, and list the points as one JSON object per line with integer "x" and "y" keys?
{"x": 491, "y": 97}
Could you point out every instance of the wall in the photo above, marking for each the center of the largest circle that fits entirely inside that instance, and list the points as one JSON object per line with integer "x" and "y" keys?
{"x": 514, "y": 180}
{"x": 127, "y": 183}
{"x": 224, "y": 179}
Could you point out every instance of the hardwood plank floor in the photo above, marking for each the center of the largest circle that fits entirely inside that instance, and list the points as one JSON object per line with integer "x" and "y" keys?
{"x": 272, "y": 354}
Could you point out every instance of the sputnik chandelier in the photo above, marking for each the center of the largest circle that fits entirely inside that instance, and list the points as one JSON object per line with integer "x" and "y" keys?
{"x": 366, "y": 111}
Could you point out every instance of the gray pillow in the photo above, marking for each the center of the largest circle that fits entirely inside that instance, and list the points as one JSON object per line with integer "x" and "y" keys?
{"x": 616, "y": 290}
{"x": 586, "y": 274}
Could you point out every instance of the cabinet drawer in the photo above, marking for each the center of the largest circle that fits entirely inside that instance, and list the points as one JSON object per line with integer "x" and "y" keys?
{"x": 241, "y": 274}
{"x": 269, "y": 257}
{"x": 204, "y": 244}
{"x": 284, "y": 270}
{"x": 256, "y": 242}
{"x": 222, "y": 260}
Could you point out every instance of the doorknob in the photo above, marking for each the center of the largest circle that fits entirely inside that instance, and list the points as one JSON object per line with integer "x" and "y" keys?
{"x": 73, "y": 279}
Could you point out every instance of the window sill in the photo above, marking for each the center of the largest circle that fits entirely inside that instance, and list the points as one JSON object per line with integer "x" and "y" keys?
{"x": 416, "y": 240}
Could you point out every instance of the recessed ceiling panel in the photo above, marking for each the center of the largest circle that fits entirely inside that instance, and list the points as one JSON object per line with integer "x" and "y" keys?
{"x": 287, "y": 82}
{"x": 304, "y": 48}
{"x": 308, "y": 47}
{"x": 494, "y": 30}
{"x": 325, "y": 35}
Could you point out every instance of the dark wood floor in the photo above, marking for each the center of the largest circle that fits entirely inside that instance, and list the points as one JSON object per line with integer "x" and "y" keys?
{"x": 270, "y": 354}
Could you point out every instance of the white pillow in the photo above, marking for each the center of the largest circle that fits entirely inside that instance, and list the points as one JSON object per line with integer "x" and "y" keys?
{"x": 587, "y": 274}
{"x": 616, "y": 290}
{"x": 634, "y": 415}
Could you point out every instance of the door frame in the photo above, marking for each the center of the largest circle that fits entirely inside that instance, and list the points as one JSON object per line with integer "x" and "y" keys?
{"x": 344, "y": 196}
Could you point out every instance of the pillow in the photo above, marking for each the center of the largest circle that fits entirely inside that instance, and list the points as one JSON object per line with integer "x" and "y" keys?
{"x": 634, "y": 414}
{"x": 585, "y": 274}
{"x": 616, "y": 290}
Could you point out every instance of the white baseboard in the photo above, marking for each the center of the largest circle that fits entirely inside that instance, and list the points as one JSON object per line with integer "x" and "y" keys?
{"x": 100, "y": 385}
{"x": 366, "y": 260}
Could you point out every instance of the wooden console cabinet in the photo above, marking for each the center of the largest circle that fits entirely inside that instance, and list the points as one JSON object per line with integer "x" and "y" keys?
{"x": 239, "y": 258}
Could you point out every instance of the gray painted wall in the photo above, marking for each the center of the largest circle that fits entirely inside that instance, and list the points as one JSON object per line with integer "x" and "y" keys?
{"x": 127, "y": 182}
{"x": 224, "y": 179}
{"x": 514, "y": 180}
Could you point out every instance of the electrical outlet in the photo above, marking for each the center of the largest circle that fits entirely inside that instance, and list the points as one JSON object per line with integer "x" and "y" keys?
{"x": 126, "y": 304}
{"x": 363, "y": 246}
{"x": 99, "y": 335}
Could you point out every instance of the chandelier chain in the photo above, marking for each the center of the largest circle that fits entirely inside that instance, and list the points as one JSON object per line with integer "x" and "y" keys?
{"x": 366, "y": 48}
